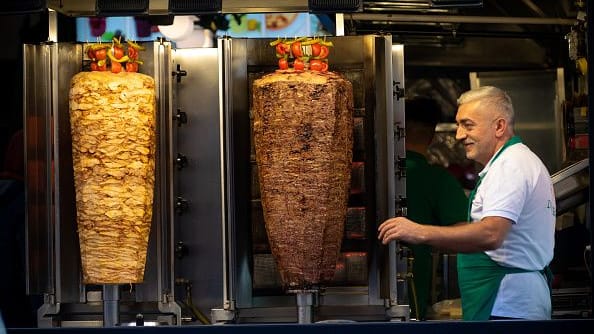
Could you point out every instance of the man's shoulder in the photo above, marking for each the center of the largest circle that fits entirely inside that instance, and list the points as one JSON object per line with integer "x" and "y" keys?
{"x": 520, "y": 159}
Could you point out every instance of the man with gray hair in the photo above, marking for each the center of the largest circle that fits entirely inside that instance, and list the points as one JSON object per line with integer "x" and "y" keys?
{"x": 505, "y": 246}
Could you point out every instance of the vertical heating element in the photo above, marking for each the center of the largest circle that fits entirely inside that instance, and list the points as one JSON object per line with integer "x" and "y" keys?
{"x": 53, "y": 254}
{"x": 363, "y": 285}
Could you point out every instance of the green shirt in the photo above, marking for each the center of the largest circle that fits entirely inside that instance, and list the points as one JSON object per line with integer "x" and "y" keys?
{"x": 434, "y": 197}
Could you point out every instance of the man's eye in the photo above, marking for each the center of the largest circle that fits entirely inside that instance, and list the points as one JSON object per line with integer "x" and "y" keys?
{"x": 466, "y": 126}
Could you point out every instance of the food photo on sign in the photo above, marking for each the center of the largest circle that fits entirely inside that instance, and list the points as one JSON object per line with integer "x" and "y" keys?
{"x": 187, "y": 31}
{"x": 274, "y": 25}
{"x": 104, "y": 29}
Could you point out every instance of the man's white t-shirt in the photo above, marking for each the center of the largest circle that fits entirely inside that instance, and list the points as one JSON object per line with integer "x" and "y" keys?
{"x": 517, "y": 186}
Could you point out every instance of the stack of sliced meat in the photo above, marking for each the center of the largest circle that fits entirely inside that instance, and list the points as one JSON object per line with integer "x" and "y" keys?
{"x": 303, "y": 123}
{"x": 112, "y": 120}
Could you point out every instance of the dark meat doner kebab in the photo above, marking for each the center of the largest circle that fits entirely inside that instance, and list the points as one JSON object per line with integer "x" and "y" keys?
{"x": 303, "y": 123}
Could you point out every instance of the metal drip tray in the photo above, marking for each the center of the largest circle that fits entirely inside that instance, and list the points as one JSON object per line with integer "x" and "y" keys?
{"x": 571, "y": 186}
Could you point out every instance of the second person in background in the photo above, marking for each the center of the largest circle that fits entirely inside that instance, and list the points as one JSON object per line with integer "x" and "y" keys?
{"x": 434, "y": 196}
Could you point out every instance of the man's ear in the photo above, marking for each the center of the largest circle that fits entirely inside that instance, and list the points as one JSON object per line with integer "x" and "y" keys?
{"x": 500, "y": 127}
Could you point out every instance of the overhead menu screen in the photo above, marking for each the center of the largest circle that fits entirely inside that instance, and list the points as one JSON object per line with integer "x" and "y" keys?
{"x": 103, "y": 29}
{"x": 273, "y": 25}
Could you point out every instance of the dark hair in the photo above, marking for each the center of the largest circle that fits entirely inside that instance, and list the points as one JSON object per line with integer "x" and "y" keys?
{"x": 422, "y": 109}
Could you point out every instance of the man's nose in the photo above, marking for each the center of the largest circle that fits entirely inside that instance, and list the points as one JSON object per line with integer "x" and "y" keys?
{"x": 460, "y": 133}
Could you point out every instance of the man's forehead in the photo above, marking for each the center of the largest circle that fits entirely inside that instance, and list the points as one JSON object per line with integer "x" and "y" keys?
{"x": 465, "y": 112}
{"x": 471, "y": 111}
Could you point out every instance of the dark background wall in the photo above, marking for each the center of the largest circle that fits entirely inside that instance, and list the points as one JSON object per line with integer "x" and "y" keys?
{"x": 17, "y": 30}
{"x": 17, "y": 309}
{"x": 15, "y": 306}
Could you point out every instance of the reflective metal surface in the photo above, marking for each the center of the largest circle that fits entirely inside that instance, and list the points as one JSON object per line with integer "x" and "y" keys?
{"x": 53, "y": 256}
{"x": 250, "y": 289}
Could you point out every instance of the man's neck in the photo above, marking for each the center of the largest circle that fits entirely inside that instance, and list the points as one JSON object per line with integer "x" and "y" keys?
{"x": 500, "y": 143}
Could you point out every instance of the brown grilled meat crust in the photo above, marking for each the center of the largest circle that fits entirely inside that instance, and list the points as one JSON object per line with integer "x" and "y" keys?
{"x": 303, "y": 138}
{"x": 112, "y": 120}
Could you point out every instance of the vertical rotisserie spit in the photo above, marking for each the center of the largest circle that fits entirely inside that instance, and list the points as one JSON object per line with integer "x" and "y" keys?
{"x": 112, "y": 120}
{"x": 303, "y": 139}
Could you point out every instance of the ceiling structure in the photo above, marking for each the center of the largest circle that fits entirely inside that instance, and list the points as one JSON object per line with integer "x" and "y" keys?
{"x": 492, "y": 34}
{"x": 453, "y": 33}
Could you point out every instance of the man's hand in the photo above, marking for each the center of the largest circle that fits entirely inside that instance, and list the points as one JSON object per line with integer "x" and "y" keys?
{"x": 401, "y": 229}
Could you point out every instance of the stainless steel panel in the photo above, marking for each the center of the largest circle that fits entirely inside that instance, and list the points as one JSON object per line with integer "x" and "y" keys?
{"x": 537, "y": 97}
{"x": 398, "y": 273}
{"x": 199, "y": 228}
{"x": 51, "y": 225}
{"x": 37, "y": 101}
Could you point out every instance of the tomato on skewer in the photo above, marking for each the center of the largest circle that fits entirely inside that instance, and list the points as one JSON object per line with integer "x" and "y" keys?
{"x": 298, "y": 65}
{"x": 296, "y": 49}
{"x": 316, "y": 65}
{"x": 116, "y": 67}
{"x": 132, "y": 67}
{"x": 283, "y": 64}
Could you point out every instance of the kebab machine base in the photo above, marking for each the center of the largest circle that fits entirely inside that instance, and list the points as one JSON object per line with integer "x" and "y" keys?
{"x": 109, "y": 306}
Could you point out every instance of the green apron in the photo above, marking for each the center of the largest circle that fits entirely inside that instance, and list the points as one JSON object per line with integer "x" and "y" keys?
{"x": 479, "y": 276}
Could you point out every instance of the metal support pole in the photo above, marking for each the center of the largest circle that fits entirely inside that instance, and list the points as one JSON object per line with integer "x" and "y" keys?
{"x": 111, "y": 307}
{"x": 304, "y": 306}
{"x": 446, "y": 275}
